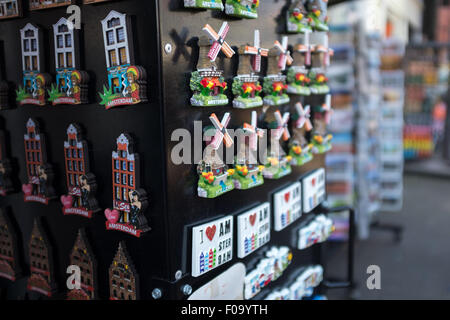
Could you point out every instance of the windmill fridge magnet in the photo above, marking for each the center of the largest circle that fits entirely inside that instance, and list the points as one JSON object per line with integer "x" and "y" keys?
{"x": 40, "y": 173}
{"x": 208, "y": 83}
{"x": 242, "y": 8}
{"x": 322, "y": 118}
{"x": 318, "y": 14}
{"x": 297, "y": 76}
{"x": 214, "y": 177}
{"x": 9, "y": 254}
{"x": 123, "y": 277}
{"x": 300, "y": 148}
{"x": 129, "y": 200}
{"x": 81, "y": 183}
{"x": 278, "y": 164}
{"x": 71, "y": 84}
{"x": 275, "y": 86}
{"x": 42, "y": 278}
{"x": 35, "y": 83}
{"x": 320, "y": 60}
{"x": 6, "y": 183}
{"x": 204, "y": 4}
{"x": 297, "y": 17}
{"x": 246, "y": 86}
{"x": 247, "y": 171}
{"x": 127, "y": 82}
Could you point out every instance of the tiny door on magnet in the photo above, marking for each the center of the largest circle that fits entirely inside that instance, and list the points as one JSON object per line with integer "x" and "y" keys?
{"x": 314, "y": 192}
{"x": 9, "y": 250}
{"x": 287, "y": 206}
{"x": 253, "y": 229}
{"x": 212, "y": 245}
{"x": 123, "y": 278}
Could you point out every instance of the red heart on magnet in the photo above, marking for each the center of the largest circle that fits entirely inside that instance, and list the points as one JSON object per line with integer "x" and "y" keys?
{"x": 67, "y": 201}
{"x": 112, "y": 215}
{"x": 313, "y": 182}
{"x": 252, "y": 219}
{"x": 210, "y": 232}
{"x": 287, "y": 196}
{"x": 27, "y": 189}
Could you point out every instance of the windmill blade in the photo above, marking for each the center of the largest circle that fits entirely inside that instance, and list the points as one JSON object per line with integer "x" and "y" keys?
{"x": 279, "y": 118}
{"x": 215, "y": 121}
{"x": 211, "y": 33}
{"x": 254, "y": 119}
{"x": 286, "y": 118}
{"x": 256, "y": 63}
{"x": 328, "y": 100}
{"x": 263, "y": 52}
{"x": 299, "y": 109}
{"x": 251, "y": 50}
{"x": 308, "y": 124}
{"x": 285, "y": 41}
{"x": 282, "y": 61}
{"x": 286, "y": 134}
{"x": 217, "y": 140}
{"x": 224, "y": 30}
{"x": 289, "y": 59}
{"x": 227, "y": 50}
{"x": 257, "y": 41}
{"x": 278, "y": 45}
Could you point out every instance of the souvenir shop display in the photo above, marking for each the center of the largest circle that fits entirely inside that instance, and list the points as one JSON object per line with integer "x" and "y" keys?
{"x": 204, "y": 4}
{"x": 127, "y": 82}
{"x": 129, "y": 199}
{"x": 207, "y": 82}
{"x": 39, "y": 187}
{"x": 215, "y": 178}
{"x": 9, "y": 251}
{"x": 297, "y": 75}
{"x": 242, "y": 8}
{"x": 322, "y": 117}
{"x": 297, "y": 17}
{"x": 46, "y": 4}
{"x": 247, "y": 172}
{"x": 6, "y": 169}
{"x": 300, "y": 148}
{"x": 246, "y": 86}
{"x": 81, "y": 183}
{"x": 71, "y": 85}
{"x": 35, "y": 82}
{"x": 123, "y": 277}
{"x": 10, "y": 9}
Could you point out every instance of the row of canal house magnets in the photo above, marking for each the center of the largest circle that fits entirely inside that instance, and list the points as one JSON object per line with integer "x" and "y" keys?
{"x": 123, "y": 278}
{"x": 306, "y": 75}
{"x": 127, "y": 84}
{"x": 129, "y": 199}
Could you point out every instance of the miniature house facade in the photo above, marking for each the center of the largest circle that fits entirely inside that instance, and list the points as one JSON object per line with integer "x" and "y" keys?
{"x": 33, "y": 152}
{"x": 8, "y": 254}
{"x": 74, "y": 155}
{"x": 117, "y": 51}
{"x": 44, "y": 4}
{"x": 65, "y": 63}
{"x": 9, "y": 9}
{"x": 122, "y": 277}
{"x": 30, "y": 56}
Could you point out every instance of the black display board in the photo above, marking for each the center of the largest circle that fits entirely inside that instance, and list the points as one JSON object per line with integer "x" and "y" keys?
{"x": 174, "y": 204}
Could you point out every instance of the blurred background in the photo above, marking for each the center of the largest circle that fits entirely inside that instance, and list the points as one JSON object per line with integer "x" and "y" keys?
{"x": 391, "y": 152}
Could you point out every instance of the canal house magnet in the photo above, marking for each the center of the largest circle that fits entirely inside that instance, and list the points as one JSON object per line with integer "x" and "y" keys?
{"x": 317, "y": 231}
{"x": 214, "y": 177}
{"x": 253, "y": 229}
{"x": 275, "y": 82}
{"x": 6, "y": 183}
{"x": 39, "y": 187}
{"x": 313, "y": 187}
{"x": 42, "y": 278}
{"x": 127, "y": 82}
{"x": 204, "y": 4}
{"x": 297, "y": 17}
{"x": 212, "y": 245}
{"x": 322, "y": 117}
{"x": 318, "y": 14}
{"x": 277, "y": 164}
{"x": 81, "y": 183}
{"x": 287, "y": 206}
{"x": 123, "y": 277}
{"x": 35, "y": 82}
{"x": 246, "y": 86}
{"x": 45, "y": 4}
{"x": 129, "y": 200}
{"x": 9, "y": 254}
{"x": 71, "y": 84}
{"x": 247, "y": 172}
{"x": 297, "y": 76}
{"x": 208, "y": 83}
{"x": 83, "y": 257}
{"x": 10, "y": 9}
{"x": 242, "y": 8}
{"x": 300, "y": 148}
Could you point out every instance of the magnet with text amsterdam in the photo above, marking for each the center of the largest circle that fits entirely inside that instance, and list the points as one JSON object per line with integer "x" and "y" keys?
{"x": 35, "y": 82}
{"x": 204, "y": 4}
{"x": 208, "y": 83}
{"x": 81, "y": 183}
{"x": 129, "y": 200}
{"x": 127, "y": 83}
{"x": 253, "y": 227}
{"x": 6, "y": 183}
{"x": 314, "y": 190}
{"x": 242, "y": 8}
{"x": 39, "y": 187}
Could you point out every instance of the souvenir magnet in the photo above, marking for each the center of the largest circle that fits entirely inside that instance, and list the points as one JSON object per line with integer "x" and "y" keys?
{"x": 212, "y": 245}
{"x": 42, "y": 279}
{"x": 318, "y": 14}
{"x": 127, "y": 82}
{"x": 208, "y": 83}
{"x": 275, "y": 82}
{"x": 320, "y": 60}
{"x": 6, "y": 183}
{"x": 253, "y": 229}
{"x": 322, "y": 118}
{"x": 246, "y": 86}
{"x": 9, "y": 254}
{"x": 123, "y": 277}
{"x": 278, "y": 164}
{"x": 247, "y": 172}
{"x": 215, "y": 178}
{"x": 83, "y": 257}
{"x": 40, "y": 173}
{"x": 204, "y": 4}
{"x": 129, "y": 200}
{"x": 81, "y": 183}
{"x": 35, "y": 83}
{"x": 297, "y": 20}
{"x": 313, "y": 188}
{"x": 45, "y": 4}
{"x": 300, "y": 149}
{"x": 10, "y": 9}
{"x": 297, "y": 76}
{"x": 287, "y": 206}
{"x": 242, "y": 8}
{"x": 71, "y": 84}
{"x": 317, "y": 231}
